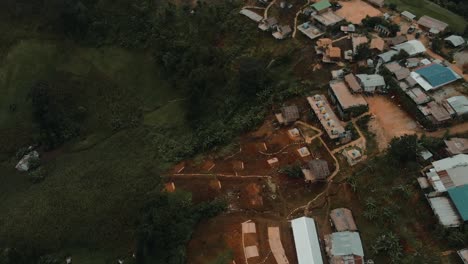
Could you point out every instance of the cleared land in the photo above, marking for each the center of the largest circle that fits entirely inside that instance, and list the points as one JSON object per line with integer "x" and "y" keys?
{"x": 424, "y": 7}
{"x": 389, "y": 120}
{"x": 356, "y": 10}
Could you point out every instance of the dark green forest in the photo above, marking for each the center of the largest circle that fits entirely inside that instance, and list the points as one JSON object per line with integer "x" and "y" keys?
{"x": 113, "y": 93}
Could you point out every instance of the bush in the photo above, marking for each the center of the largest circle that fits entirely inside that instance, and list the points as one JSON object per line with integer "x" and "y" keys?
{"x": 292, "y": 171}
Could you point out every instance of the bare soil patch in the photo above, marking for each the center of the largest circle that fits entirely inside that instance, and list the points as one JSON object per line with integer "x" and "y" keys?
{"x": 389, "y": 121}
{"x": 356, "y": 10}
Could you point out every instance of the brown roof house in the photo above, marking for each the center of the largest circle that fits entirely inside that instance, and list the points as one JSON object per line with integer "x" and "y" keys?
{"x": 345, "y": 101}
{"x": 317, "y": 170}
{"x": 457, "y": 146}
{"x": 353, "y": 83}
{"x": 288, "y": 115}
{"x": 377, "y": 44}
{"x": 432, "y": 25}
{"x": 397, "y": 40}
{"x": 342, "y": 219}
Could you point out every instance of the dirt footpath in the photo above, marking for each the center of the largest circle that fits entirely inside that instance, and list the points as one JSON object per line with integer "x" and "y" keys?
{"x": 389, "y": 120}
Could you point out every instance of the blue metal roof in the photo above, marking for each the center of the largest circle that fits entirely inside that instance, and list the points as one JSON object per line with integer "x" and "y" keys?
{"x": 437, "y": 75}
{"x": 459, "y": 196}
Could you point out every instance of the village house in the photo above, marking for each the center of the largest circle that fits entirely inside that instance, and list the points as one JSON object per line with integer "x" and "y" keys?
{"x": 455, "y": 41}
{"x": 323, "y": 14}
{"x": 268, "y": 24}
{"x": 310, "y": 30}
{"x": 432, "y": 25}
{"x": 459, "y": 104}
{"x": 282, "y": 32}
{"x": 448, "y": 173}
{"x": 377, "y": 44}
{"x": 317, "y": 170}
{"x": 436, "y": 113}
{"x": 397, "y": 40}
{"x": 342, "y": 219}
{"x": 353, "y": 155}
{"x": 353, "y": 83}
{"x": 408, "y": 16}
{"x": 344, "y": 247}
{"x": 418, "y": 96}
{"x": 330, "y": 122}
{"x": 371, "y": 82}
{"x": 345, "y": 101}
{"x": 307, "y": 241}
{"x": 288, "y": 115}
{"x": 251, "y": 14}
{"x": 455, "y": 146}
{"x": 399, "y": 72}
{"x": 358, "y": 40}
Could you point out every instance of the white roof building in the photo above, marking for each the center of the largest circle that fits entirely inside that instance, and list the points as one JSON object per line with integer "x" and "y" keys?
{"x": 445, "y": 211}
{"x": 449, "y": 173}
{"x": 412, "y": 47}
{"x": 251, "y": 14}
{"x": 455, "y": 40}
{"x": 408, "y": 15}
{"x": 459, "y": 104}
{"x": 307, "y": 241}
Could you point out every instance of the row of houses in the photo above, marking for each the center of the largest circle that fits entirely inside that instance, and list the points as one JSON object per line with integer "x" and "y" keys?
{"x": 342, "y": 246}
{"x": 447, "y": 180}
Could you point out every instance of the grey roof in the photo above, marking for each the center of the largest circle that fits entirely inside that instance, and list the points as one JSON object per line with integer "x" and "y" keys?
{"x": 459, "y": 104}
{"x": 387, "y": 56}
{"x": 456, "y": 40}
{"x": 346, "y": 243}
{"x": 290, "y": 113}
{"x": 307, "y": 241}
{"x": 418, "y": 96}
{"x": 251, "y": 14}
{"x": 371, "y": 80}
{"x": 343, "y": 220}
{"x": 411, "y": 81}
{"x": 445, "y": 211}
{"x": 408, "y": 15}
{"x": 402, "y": 73}
{"x": 319, "y": 168}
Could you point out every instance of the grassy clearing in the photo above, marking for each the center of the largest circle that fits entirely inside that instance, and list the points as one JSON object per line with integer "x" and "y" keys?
{"x": 424, "y": 7}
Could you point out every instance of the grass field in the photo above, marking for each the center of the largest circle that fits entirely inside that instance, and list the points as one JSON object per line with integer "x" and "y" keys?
{"x": 424, "y": 7}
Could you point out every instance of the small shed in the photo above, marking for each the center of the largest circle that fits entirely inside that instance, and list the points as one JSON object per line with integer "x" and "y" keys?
{"x": 268, "y": 24}
{"x": 457, "y": 146}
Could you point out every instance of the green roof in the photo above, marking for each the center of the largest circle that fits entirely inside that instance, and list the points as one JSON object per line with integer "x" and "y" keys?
{"x": 319, "y": 6}
{"x": 459, "y": 196}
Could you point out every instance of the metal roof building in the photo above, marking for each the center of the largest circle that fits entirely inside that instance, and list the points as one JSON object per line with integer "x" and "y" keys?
{"x": 448, "y": 163}
{"x": 457, "y": 146}
{"x": 432, "y": 24}
{"x": 307, "y": 241}
{"x": 459, "y": 104}
{"x": 342, "y": 219}
{"x": 251, "y": 14}
{"x": 433, "y": 76}
{"x": 408, "y": 15}
{"x": 371, "y": 82}
{"x": 445, "y": 211}
{"x": 459, "y": 196}
{"x": 345, "y": 245}
{"x": 322, "y": 5}
{"x": 455, "y": 40}
{"x": 345, "y": 98}
{"x": 412, "y": 47}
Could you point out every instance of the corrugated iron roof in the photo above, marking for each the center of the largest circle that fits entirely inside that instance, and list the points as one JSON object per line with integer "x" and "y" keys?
{"x": 459, "y": 196}
{"x": 445, "y": 211}
{"x": 459, "y": 104}
{"x": 307, "y": 241}
{"x": 437, "y": 75}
